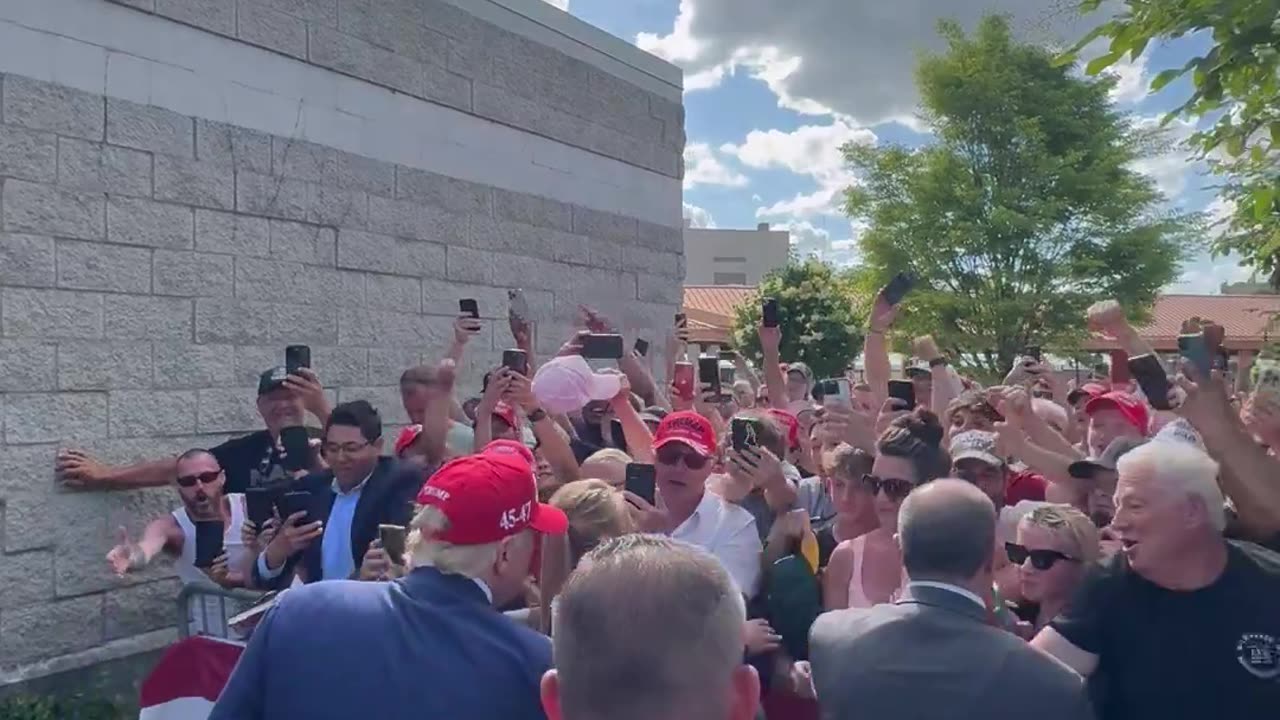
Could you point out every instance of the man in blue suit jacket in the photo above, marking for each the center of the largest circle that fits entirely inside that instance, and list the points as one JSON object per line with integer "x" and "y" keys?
{"x": 429, "y": 645}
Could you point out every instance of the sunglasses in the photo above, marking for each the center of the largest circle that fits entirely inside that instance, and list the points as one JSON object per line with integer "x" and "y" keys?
{"x": 894, "y": 488}
{"x": 187, "y": 481}
{"x": 1040, "y": 559}
{"x": 675, "y": 454}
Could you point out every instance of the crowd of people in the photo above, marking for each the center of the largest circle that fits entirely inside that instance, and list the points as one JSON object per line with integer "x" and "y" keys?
{"x": 581, "y": 541}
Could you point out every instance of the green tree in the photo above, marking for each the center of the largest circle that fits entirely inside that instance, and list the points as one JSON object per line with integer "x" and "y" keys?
{"x": 1022, "y": 213}
{"x": 1237, "y": 83}
{"x": 817, "y": 312}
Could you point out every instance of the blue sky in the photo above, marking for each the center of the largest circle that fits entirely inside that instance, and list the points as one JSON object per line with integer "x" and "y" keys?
{"x": 773, "y": 88}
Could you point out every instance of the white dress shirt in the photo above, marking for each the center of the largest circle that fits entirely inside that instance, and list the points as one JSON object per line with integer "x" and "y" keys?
{"x": 729, "y": 533}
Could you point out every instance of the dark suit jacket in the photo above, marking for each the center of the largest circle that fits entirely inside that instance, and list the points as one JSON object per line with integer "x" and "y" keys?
{"x": 932, "y": 655}
{"x": 429, "y": 645}
{"x": 387, "y": 498}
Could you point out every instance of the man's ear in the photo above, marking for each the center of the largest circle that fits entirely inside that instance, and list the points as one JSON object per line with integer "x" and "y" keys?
{"x": 745, "y": 687}
{"x": 550, "y": 691}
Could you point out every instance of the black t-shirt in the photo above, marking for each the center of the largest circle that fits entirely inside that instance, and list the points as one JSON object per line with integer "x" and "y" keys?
{"x": 252, "y": 461}
{"x": 1213, "y": 652}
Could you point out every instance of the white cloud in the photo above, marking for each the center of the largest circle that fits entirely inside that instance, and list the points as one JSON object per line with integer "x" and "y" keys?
{"x": 1175, "y": 165}
{"x": 1131, "y": 81}
{"x": 854, "y": 57}
{"x": 698, "y": 217}
{"x": 1204, "y": 275}
{"x": 807, "y": 239}
{"x": 562, "y": 4}
{"x": 702, "y": 167}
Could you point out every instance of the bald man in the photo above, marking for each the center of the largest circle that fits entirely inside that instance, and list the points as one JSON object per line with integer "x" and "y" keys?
{"x": 932, "y": 653}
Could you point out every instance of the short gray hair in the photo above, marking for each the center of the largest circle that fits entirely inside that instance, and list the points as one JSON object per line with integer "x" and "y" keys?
{"x": 1179, "y": 468}
{"x": 647, "y": 627}
{"x": 947, "y": 529}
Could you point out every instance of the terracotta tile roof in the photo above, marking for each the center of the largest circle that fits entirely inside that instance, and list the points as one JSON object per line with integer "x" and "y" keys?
{"x": 1245, "y": 317}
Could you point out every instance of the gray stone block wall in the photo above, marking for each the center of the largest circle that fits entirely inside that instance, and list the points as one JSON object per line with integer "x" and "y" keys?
{"x": 433, "y": 50}
{"x": 152, "y": 264}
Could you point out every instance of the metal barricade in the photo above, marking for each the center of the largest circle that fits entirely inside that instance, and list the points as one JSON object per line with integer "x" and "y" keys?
{"x": 204, "y": 608}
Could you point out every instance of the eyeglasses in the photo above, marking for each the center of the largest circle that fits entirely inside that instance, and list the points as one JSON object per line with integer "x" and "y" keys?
{"x": 675, "y": 454}
{"x": 894, "y": 488}
{"x": 1040, "y": 559}
{"x": 348, "y": 448}
{"x": 206, "y": 478}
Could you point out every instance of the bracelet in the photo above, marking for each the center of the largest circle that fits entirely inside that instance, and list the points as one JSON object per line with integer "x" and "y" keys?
{"x": 537, "y": 415}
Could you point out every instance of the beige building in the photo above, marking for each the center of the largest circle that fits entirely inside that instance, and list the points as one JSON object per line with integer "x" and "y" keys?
{"x": 733, "y": 257}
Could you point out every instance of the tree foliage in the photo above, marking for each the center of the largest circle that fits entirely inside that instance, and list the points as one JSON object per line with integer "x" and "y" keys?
{"x": 1237, "y": 81}
{"x": 818, "y": 312}
{"x": 1022, "y": 213}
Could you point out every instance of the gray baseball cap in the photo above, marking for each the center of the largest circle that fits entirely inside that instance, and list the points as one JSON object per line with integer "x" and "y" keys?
{"x": 1085, "y": 469}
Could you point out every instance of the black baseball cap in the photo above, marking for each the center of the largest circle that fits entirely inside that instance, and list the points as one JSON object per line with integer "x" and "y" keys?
{"x": 1085, "y": 469}
{"x": 271, "y": 380}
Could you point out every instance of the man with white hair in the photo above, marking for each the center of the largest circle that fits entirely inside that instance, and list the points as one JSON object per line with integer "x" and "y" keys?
{"x": 429, "y": 645}
{"x": 1180, "y": 622}
{"x": 649, "y": 627}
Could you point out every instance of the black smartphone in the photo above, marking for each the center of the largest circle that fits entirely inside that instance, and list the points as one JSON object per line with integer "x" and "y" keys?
{"x": 1196, "y": 351}
{"x": 641, "y": 347}
{"x": 602, "y": 347}
{"x": 743, "y": 433}
{"x": 1032, "y": 351}
{"x": 295, "y": 357}
{"x": 641, "y": 479}
{"x": 297, "y": 448}
{"x": 728, "y": 376}
{"x": 469, "y": 307}
{"x": 259, "y": 503}
{"x": 292, "y": 502}
{"x": 769, "y": 312}
{"x": 904, "y": 391}
{"x": 208, "y": 542}
{"x": 826, "y": 388}
{"x": 1149, "y": 373}
{"x": 898, "y": 288}
{"x": 516, "y": 360}
{"x": 392, "y": 538}
{"x": 709, "y": 373}
{"x": 682, "y": 320}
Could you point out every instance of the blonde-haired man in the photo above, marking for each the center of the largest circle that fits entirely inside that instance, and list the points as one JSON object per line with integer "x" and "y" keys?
{"x": 430, "y": 644}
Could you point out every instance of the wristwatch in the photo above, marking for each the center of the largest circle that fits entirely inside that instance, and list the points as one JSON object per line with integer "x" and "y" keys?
{"x": 537, "y": 415}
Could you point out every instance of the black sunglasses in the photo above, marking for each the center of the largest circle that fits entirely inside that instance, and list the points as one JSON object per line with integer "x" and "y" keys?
{"x": 894, "y": 488}
{"x": 674, "y": 454}
{"x": 203, "y": 478}
{"x": 1040, "y": 559}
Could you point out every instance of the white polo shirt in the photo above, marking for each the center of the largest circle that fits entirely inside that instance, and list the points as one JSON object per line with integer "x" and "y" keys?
{"x": 729, "y": 533}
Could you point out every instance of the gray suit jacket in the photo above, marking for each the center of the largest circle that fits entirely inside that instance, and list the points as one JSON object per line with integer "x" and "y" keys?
{"x": 932, "y": 655}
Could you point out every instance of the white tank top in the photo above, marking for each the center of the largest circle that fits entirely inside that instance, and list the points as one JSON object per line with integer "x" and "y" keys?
{"x": 211, "y": 619}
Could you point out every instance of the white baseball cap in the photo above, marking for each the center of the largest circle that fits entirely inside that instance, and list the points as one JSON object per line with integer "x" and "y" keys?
{"x": 568, "y": 383}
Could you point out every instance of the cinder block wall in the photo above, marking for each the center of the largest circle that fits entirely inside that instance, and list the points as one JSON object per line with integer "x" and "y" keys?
{"x": 186, "y": 186}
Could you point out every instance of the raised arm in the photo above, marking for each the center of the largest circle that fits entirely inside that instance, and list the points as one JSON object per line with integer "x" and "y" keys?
{"x": 80, "y": 471}
{"x": 875, "y": 349}
{"x": 770, "y": 342}
{"x": 160, "y": 534}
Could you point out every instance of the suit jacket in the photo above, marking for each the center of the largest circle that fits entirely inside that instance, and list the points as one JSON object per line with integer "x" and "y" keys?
{"x": 428, "y": 645}
{"x": 932, "y": 655}
{"x": 387, "y": 498}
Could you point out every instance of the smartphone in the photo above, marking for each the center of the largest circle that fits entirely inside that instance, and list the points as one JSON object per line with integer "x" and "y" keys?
{"x": 641, "y": 347}
{"x": 469, "y": 307}
{"x": 297, "y": 448}
{"x": 898, "y": 288}
{"x": 682, "y": 379}
{"x": 1032, "y": 351}
{"x": 743, "y": 433}
{"x": 516, "y": 360}
{"x": 835, "y": 390}
{"x": 295, "y": 357}
{"x": 769, "y": 312}
{"x": 641, "y": 479}
{"x": 392, "y": 538}
{"x": 292, "y": 502}
{"x": 602, "y": 347}
{"x": 903, "y": 390}
{"x": 682, "y": 320}
{"x": 709, "y": 373}
{"x": 259, "y": 503}
{"x": 728, "y": 376}
{"x": 518, "y": 306}
{"x": 1146, "y": 369}
{"x": 1119, "y": 375}
{"x": 1195, "y": 350}
{"x": 208, "y": 542}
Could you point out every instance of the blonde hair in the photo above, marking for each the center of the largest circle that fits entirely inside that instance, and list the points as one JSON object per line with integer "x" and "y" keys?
{"x": 1068, "y": 522}
{"x": 422, "y": 550}
{"x": 595, "y": 513}
{"x": 608, "y": 455}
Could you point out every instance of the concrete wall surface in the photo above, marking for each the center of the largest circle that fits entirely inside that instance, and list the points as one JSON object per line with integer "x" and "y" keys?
{"x": 187, "y": 186}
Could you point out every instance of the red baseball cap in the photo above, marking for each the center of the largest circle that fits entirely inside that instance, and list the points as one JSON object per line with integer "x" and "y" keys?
{"x": 1130, "y": 407}
{"x": 507, "y": 413}
{"x": 490, "y": 496}
{"x": 790, "y": 422}
{"x": 688, "y": 428}
{"x": 1090, "y": 389}
{"x": 407, "y": 437}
